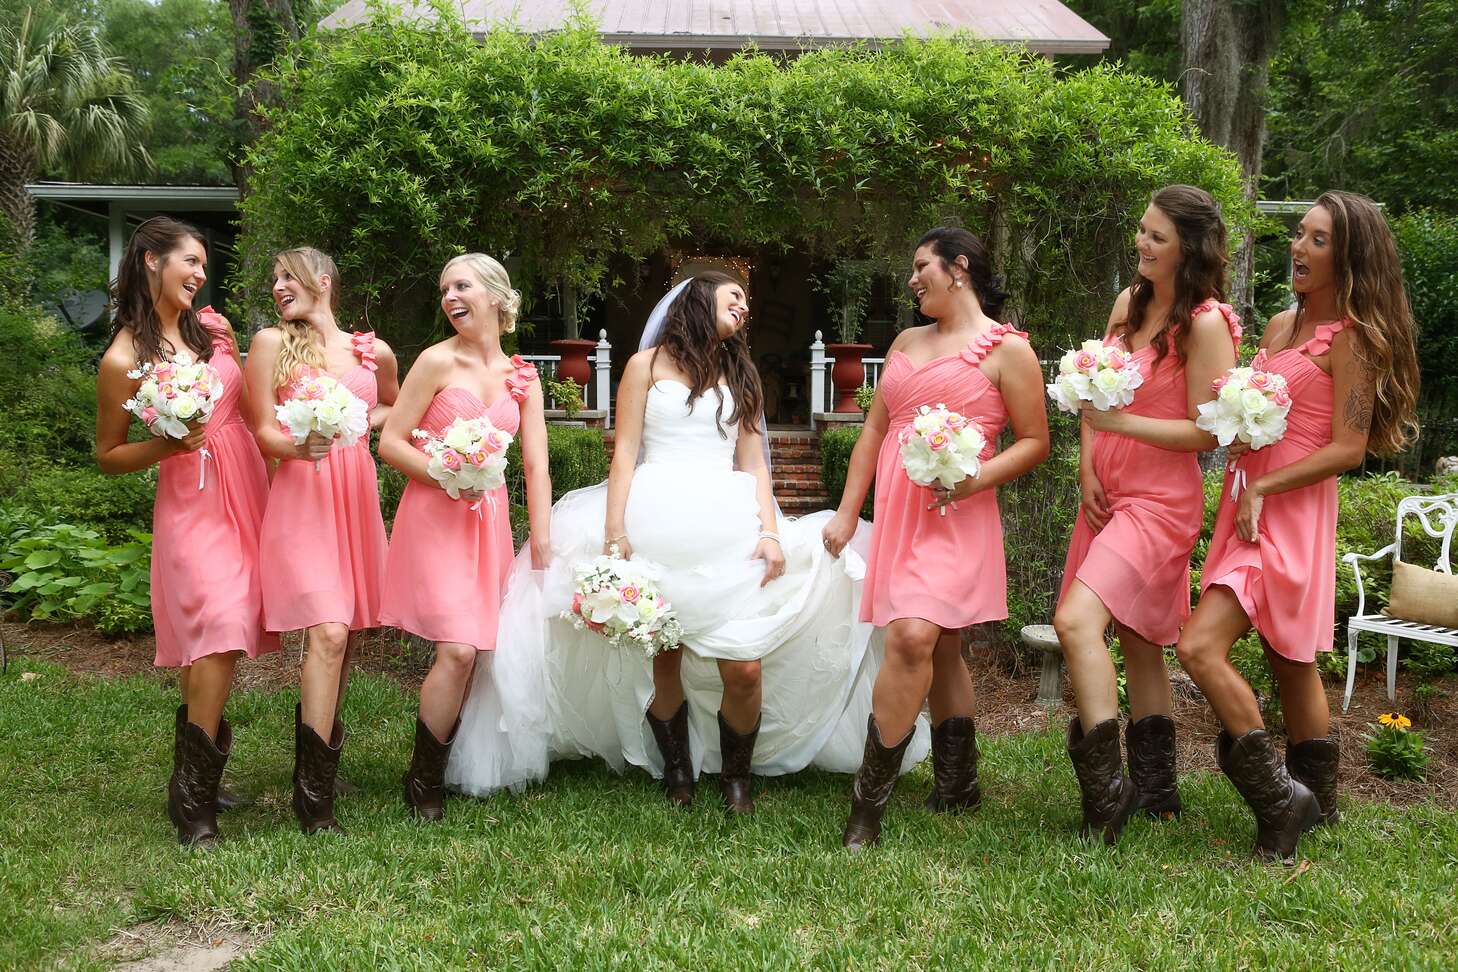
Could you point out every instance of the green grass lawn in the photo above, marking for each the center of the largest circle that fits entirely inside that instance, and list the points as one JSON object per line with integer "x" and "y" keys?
{"x": 593, "y": 870}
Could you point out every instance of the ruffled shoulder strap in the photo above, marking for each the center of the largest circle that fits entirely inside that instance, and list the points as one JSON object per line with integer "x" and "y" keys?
{"x": 217, "y": 328}
{"x": 984, "y": 343}
{"x": 520, "y": 383}
{"x": 1232, "y": 319}
{"x": 1320, "y": 343}
{"x": 364, "y": 349}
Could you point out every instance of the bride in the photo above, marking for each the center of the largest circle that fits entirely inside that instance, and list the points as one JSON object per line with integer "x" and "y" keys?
{"x": 773, "y": 672}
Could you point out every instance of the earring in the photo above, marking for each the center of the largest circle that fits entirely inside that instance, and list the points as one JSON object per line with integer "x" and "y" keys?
{"x": 957, "y": 283}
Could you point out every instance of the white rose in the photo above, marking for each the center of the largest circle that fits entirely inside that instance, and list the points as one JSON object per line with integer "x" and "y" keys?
{"x": 184, "y": 407}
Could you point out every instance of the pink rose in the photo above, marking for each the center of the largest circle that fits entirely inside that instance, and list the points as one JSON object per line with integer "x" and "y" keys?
{"x": 149, "y": 415}
{"x": 1218, "y": 384}
{"x": 1282, "y": 398}
{"x": 1116, "y": 361}
{"x": 496, "y": 440}
{"x": 938, "y": 441}
{"x": 630, "y": 594}
{"x": 1260, "y": 381}
{"x": 576, "y": 603}
{"x": 163, "y": 371}
{"x": 478, "y": 458}
{"x": 1084, "y": 361}
{"x": 166, "y": 389}
{"x": 451, "y": 459}
{"x": 956, "y": 422}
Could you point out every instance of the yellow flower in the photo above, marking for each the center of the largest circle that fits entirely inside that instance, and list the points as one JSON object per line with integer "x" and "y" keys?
{"x": 1394, "y": 720}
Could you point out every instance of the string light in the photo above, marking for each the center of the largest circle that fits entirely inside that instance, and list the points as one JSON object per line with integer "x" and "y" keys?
{"x": 741, "y": 267}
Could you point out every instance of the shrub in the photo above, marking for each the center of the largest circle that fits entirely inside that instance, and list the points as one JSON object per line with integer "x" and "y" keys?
{"x": 1427, "y": 660}
{"x": 115, "y": 505}
{"x": 1394, "y": 750}
{"x": 836, "y": 444}
{"x": 576, "y": 457}
{"x": 1038, "y": 513}
{"x": 62, "y": 572}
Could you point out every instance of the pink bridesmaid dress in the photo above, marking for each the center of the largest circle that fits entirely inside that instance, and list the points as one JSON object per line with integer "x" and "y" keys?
{"x": 948, "y": 570}
{"x": 1286, "y": 580}
{"x": 323, "y": 537}
{"x": 448, "y": 564}
{"x": 206, "y": 593}
{"x": 1139, "y": 563}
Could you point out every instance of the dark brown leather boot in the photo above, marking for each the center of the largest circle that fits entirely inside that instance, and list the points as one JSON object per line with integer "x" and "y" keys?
{"x": 424, "y": 782}
{"x": 673, "y": 743}
{"x": 1108, "y": 795}
{"x": 315, "y": 765}
{"x": 192, "y": 792}
{"x": 1151, "y": 745}
{"x": 1314, "y": 762}
{"x": 736, "y": 753}
{"x": 954, "y": 766}
{"x": 872, "y": 789}
{"x": 1284, "y": 808}
{"x": 228, "y": 799}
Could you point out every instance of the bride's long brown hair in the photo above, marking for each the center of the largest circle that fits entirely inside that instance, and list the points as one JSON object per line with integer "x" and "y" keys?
{"x": 692, "y": 340}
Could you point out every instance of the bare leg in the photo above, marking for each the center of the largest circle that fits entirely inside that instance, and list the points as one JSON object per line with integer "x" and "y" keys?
{"x": 743, "y": 694}
{"x": 1081, "y": 620}
{"x": 667, "y": 689}
{"x": 1147, "y": 677}
{"x": 319, "y": 682}
{"x": 1204, "y": 651}
{"x": 184, "y": 674}
{"x": 1303, "y": 700}
{"x": 951, "y": 692}
{"x": 208, "y": 685}
{"x": 344, "y": 668}
{"x": 444, "y": 690}
{"x": 905, "y": 677}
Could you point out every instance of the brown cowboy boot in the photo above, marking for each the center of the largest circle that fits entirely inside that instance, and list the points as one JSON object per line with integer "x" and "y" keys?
{"x": 315, "y": 764}
{"x": 872, "y": 788}
{"x": 1284, "y": 808}
{"x": 1315, "y": 762}
{"x": 1108, "y": 795}
{"x": 736, "y": 752}
{"x": 1151, "y": 745}
{"x": 424, "y": 782}
{"x": 954, "y": 766}
{"x": 673, "y": 743}
{"x": 192, "y": 792}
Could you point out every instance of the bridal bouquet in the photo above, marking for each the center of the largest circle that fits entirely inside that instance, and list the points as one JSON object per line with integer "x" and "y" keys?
{"x": 174, "y": 394}
{"x": 469, "y": 456}
{"x": 941, "y": 446}
{"x": 322, "y": 404}
{"x": 1097, "y": 373}
{"x": 1250, "y": 404}
{"x": 617, "y": 598}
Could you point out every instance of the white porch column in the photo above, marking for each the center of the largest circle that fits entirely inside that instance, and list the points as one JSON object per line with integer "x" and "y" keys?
{"x": 817, "y": 377}
{"x": 604, "y": 378}
{"x": 116, "y": 242}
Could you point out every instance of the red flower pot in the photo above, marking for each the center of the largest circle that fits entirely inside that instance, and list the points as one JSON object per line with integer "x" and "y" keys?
{"x": 574, "y": 363}
{"x": 848, "y": 374}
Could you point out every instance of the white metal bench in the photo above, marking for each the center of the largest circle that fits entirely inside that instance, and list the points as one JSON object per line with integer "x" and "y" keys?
{"x": 1438, "y": 516}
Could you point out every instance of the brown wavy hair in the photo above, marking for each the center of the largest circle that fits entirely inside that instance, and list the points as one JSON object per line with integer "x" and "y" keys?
{"x": 132, "y": 306}
{"x": 1371, "y": 295}
{"x": 1204, "y": 252}
{"x": 692, "y": 341}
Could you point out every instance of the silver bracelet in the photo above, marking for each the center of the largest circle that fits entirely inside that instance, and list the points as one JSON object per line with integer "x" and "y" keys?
{"x": 770, "y": 535}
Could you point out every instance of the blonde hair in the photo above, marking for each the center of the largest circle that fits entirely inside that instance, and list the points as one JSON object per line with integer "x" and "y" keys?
{"x": 491, "y": 275}
{"x": 1370, "y": 294}
{"x": 300, "y": 347}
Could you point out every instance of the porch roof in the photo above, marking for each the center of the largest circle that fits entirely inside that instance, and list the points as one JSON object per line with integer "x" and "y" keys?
{"x": 1043, "y": 26}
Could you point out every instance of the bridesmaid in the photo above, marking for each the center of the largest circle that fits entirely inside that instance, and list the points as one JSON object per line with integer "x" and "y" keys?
{"x": 928, "y": 576}
{"x": 449, "y": 559}
{"x": 1143, "y": 508}
{"x": 1272, "y": 560}
{"x": 211, "y": 491}
{"x": 323, "y": 545}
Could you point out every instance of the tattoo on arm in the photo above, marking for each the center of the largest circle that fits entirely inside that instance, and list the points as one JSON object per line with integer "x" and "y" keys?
{"x": 1358, "y": 409}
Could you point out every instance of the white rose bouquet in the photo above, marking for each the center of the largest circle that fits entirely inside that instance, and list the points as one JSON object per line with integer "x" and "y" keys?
{"x": 941, "y": 446}
{"x": 174, "y": 396}
{"x": 322, "y": 404}
{"x": 468, "y": 457}
{"x": 619, "y": 599}
{"x": 1097, "y": 373}
{"x": 1250, "y": 404}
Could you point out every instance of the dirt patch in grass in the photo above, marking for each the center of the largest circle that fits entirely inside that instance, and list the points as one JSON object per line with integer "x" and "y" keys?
{"x": 177, "y": 948}
{"x": 1006, "y": 685}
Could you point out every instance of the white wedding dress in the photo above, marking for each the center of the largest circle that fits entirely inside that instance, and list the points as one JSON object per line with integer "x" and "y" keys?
{"x": 551, "y": 691}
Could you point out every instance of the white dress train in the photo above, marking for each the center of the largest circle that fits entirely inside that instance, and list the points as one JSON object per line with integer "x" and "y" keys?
{"x": 552, "y": 691}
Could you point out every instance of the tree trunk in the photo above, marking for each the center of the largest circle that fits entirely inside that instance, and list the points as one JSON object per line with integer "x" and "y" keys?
{"x": 17, "y": 169}
{"x": 1226, "y": 48}
{"x": 262, "y": 31}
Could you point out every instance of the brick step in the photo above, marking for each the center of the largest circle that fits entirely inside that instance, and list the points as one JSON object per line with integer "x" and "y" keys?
{"x": 791, "y": 470}
{"x": 800, "y": 505}
{"x": 798, "y": 489}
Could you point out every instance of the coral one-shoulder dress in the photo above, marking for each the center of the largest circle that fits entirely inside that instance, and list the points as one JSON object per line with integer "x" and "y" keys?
{"x": 949, "y": 570}
{"x": 323, "y": 537}
{"x": 206, "y": 594}
{"x": 446, "y": 572}
{"x": 1286, "y": 580}
{"x": 1139, "y": 563}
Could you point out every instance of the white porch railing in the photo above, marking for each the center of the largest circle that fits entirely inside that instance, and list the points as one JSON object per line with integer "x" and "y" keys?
{"x": 598, "y": 395}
